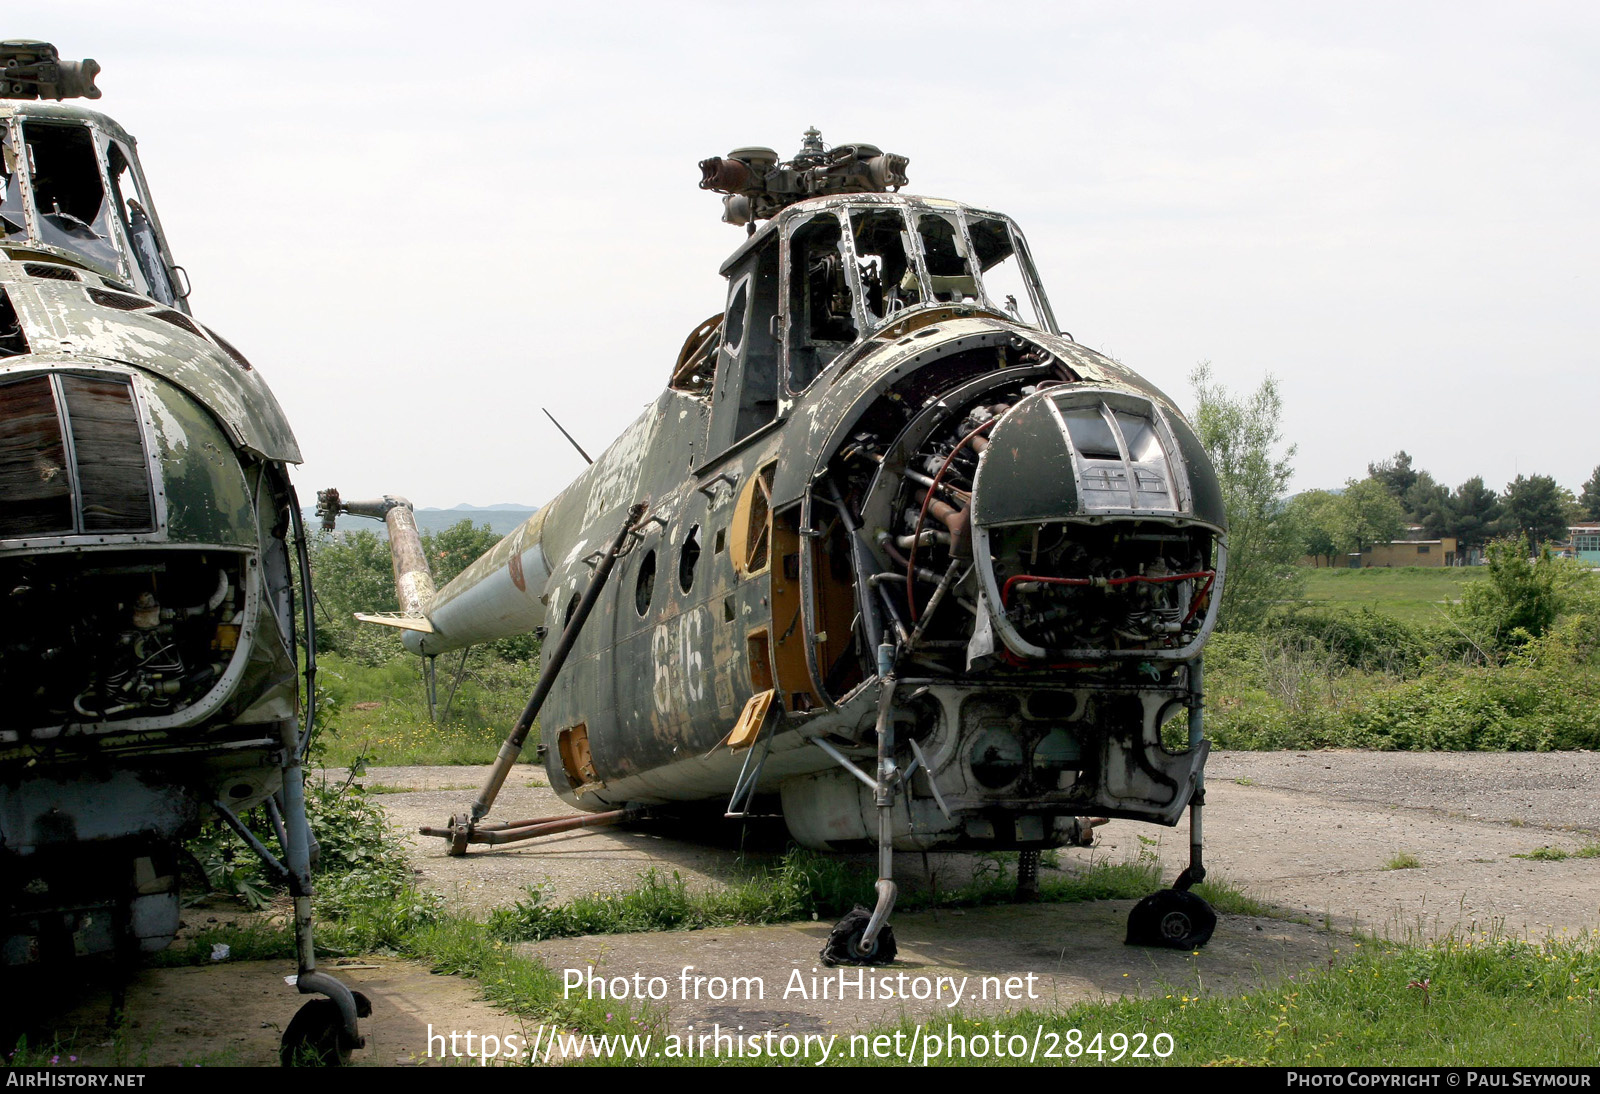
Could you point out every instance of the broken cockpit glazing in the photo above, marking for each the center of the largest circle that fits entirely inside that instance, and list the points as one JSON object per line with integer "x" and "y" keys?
{"x": 71, "y": 188}
{"x": 855, "y": 266}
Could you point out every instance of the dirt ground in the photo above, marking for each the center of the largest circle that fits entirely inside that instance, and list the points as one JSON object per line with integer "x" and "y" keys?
{"x": 1312, "y": 833}
{"x": 233, "y": 1013}
{"x": 1315, "y": 834}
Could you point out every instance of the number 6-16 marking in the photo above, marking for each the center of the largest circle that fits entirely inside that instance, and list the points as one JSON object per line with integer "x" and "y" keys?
{"x": 688, "y": 664}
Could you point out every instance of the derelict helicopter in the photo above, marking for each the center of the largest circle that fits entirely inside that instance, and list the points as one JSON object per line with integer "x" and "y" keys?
{"x": 149, "y": 542}
{"x": 890, "y": 546}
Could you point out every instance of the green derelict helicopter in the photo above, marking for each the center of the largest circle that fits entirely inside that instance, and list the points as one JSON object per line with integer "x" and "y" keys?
{"x": 149, "y": 543}
{"x": 890, "y": 550}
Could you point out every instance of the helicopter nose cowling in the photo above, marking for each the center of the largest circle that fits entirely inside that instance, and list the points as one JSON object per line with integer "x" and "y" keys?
{"x": 1100, "y": 522}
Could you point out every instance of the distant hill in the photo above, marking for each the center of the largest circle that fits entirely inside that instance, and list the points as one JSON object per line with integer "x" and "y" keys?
{"x": 500, "y": 518}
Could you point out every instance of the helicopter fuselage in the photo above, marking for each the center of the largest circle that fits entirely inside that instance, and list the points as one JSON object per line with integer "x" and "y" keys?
{"x": 873, "y": 471}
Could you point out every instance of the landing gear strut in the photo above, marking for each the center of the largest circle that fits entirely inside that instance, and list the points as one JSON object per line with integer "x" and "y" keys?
{"x": 1175, "y": 918}
{"x": 864, "y": 937}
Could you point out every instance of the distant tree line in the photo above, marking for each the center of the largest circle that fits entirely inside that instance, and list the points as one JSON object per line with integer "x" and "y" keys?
{"x": 1396, "y": 495}
{"x": 1269, "y": 533}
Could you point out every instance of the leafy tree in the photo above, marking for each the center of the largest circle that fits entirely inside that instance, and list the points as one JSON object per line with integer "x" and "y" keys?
{"x": 1536, "y": 509}
{"x": 1471, "y": 514}
{"x": 457, "y": 547}
{"x": 1590, "y": 498}
{"x": 1368, "y": 514}
{"x": 1243, "y": 437}
{"x": 1315, "y": 514}
{"x": 1395, "y": 474}
{"x": 1426, "y": 504}
{"x": 1521, "y": 599}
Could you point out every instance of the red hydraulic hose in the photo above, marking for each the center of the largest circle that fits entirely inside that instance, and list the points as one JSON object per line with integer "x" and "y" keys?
{"x": 1210, "y": 575}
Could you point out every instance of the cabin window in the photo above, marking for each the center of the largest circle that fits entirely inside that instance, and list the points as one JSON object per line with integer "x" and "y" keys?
{"x": 69, "y": 196}
{"x": 132, "y": 205}
{"x": 13, "y": 222}
{"x": 733, "y": 324}
{"x": 688, "y": 558}
{"x": 1005, "y": 283}
{"x": 747, "y": 376}
{"x": 944, "y": 253}
{"x": 821, "y": 322}
{"x": 644, "y": 586}
{"x": 888, "y": 278}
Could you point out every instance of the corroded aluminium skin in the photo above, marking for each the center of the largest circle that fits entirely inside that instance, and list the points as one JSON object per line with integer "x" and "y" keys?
{"x": 59, "y": 318}
{"x": 676, "y": 649}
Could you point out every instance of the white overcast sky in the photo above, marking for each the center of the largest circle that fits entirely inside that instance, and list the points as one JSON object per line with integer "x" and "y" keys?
{"x": 423, "y": 222}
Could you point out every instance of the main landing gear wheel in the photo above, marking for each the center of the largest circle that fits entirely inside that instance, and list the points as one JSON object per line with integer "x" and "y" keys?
{"x": 1171, "y": 919}
{"x": 844, "y": 941}
{"x": 316, "y": 1036}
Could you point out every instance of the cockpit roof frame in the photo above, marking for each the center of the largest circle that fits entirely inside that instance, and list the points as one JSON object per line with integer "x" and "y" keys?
{"x": 65, "y": 112}
{"x": 802, "y": 210}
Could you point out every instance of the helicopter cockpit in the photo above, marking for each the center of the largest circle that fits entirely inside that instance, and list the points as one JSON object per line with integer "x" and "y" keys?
{"x": 71, "y": 190}
{"x": 857, "y": 266}
{"x": 833, "y": 273}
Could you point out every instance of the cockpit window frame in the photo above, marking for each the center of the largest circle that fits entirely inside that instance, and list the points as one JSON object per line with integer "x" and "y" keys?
{"x": 869, "y": 323}
{"x": 790, "y": 321}
{"x": 139, "y": 276}
{"x": 1030, "y": 274}
{"x": 125, "y": 270}
{"x": 36, "y": 241}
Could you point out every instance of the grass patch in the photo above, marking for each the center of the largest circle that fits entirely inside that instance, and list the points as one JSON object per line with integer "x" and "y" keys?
{"x": 1367, "y": 683}
{"x": 1405, "y": 860}
{"x": 1227, "y": 899}
{"x": 1459, "y": 1002}
{"x": 380, "y": 712}
{"x": 1561, "y": 854}
{"x": 806, "y": 885}
{"x": 1411, "y": 594}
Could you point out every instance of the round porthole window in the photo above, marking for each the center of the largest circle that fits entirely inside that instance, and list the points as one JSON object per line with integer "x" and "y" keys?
{"x": 645, "y": 587}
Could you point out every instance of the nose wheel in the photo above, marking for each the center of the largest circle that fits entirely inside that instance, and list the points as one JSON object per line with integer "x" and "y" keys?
{"x": 1171, "y": 919}
{"x": 316, "y": 1035}
{"x": 845, "y": 946}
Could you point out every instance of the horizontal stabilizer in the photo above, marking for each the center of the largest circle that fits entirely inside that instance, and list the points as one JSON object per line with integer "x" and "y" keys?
{"x": 397, "y": 619}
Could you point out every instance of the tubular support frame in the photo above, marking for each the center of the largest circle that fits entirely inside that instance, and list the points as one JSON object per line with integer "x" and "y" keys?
{"x": 461, "y": 829}
{"x": 517, "y": 831}
{"x": 860, "y": 561}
